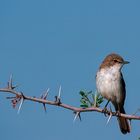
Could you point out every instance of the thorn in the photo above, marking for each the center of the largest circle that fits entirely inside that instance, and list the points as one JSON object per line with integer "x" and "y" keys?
{"x": 10, "y": 82}
{"x": 80, "y": 117}
{"x": 10, "y": 97}
{"x": 13, "y": 87}
{"x": 77, "y": 115}
{"x": 138, "y": 110}
{"x": 21, "y": 102}
{"x": 130, "y": 122}
{"x": 109, "y": 116}
{"x": 59, "y": 93}
{"x": 22, "y": 95}
{"x": 45, "y": 97}
{"x": 57, "y": 98}
{"x": 46, "y": 94}
{"x": 44, "y": 105}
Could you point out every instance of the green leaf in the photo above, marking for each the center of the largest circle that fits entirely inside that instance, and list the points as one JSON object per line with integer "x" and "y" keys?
{"x": 84, "y": 106}
{"x": 82, "y": 93}
{"x": 82, "y": 101}
{"x": 88, "y": 99}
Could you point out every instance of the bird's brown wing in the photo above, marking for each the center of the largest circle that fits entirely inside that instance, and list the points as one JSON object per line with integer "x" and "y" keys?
{"x": 123, "y": 92}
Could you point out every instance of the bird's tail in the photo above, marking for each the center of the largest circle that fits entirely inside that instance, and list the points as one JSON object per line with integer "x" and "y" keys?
{"x": 123, "y": 123}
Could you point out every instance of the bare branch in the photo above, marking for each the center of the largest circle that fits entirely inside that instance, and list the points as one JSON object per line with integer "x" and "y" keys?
{"x": 44, "y": 100}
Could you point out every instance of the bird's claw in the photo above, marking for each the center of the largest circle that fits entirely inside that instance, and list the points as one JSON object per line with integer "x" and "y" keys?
{"x": 117, "y": 113}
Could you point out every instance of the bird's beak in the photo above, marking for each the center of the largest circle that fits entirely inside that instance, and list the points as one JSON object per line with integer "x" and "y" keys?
{"x": 126, "y": 62}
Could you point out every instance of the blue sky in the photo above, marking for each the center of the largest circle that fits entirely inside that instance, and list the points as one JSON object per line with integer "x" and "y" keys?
{"x": 45, "y": 44}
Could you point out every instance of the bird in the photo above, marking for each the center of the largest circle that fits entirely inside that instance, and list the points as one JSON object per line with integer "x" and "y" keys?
{"x": 111, "y": 85}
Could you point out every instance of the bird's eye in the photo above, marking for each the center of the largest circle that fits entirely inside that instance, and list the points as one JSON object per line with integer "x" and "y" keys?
{"x": 115, "y": 60}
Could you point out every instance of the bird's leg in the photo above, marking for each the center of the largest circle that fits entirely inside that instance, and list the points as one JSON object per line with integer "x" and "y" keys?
{"x": 118, "y": 111}
{"x": 105, "y": 111}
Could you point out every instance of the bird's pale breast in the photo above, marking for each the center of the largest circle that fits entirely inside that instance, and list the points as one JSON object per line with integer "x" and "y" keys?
{"x": 108, "y": 84}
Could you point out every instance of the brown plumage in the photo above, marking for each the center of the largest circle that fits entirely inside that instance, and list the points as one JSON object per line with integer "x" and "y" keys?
{"x": 111, "y": 85}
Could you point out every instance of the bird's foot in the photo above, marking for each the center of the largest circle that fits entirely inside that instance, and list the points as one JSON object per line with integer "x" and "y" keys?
{"x": 117, "y": 113}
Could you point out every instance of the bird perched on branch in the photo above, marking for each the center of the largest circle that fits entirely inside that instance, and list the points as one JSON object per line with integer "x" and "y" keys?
{"x": 111, "y": 85}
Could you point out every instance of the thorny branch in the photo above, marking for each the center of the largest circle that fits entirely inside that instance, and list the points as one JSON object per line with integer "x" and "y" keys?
{"x": 20, "y": 97}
